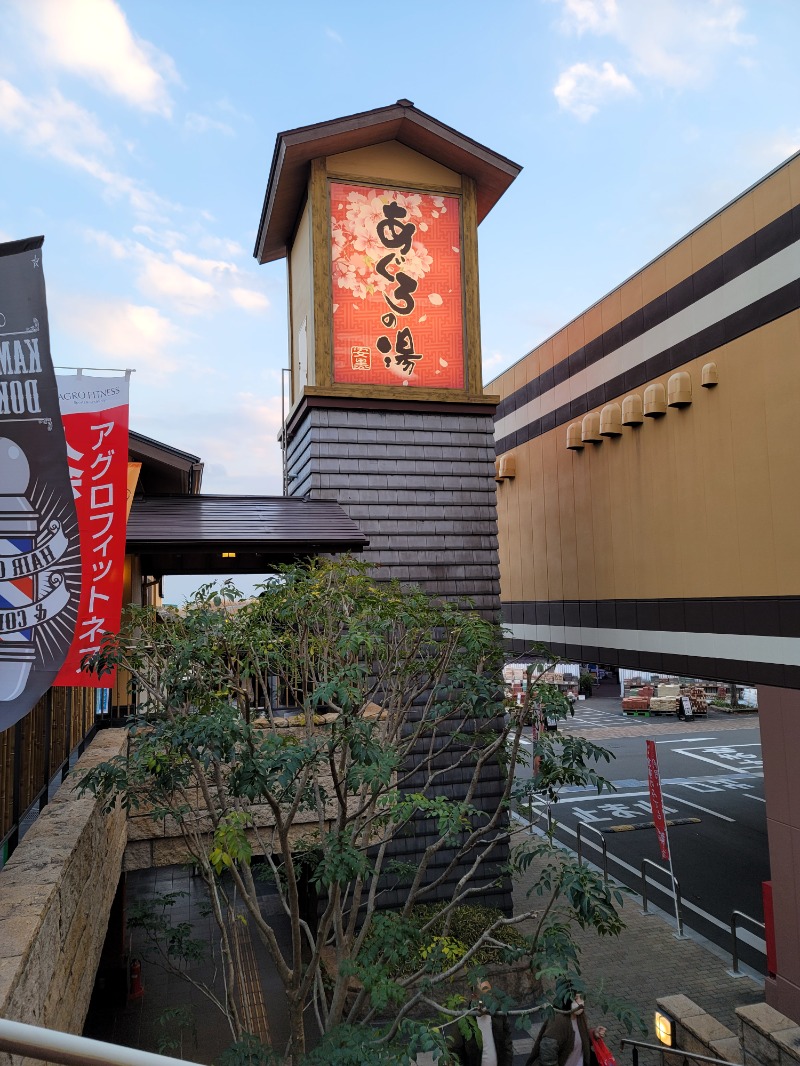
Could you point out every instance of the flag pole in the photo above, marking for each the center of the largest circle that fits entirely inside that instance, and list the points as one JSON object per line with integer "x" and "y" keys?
{"x": 660, "y": 822}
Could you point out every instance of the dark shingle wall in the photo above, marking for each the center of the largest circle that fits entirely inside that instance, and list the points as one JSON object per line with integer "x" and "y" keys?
{"x": 421, "y": 486}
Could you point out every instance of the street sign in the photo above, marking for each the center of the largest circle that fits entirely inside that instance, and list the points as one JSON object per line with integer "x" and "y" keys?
{"x": 656, "y": 802}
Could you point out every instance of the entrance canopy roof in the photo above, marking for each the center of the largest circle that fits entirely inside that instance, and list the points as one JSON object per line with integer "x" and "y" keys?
{"x": 180, "y": 534}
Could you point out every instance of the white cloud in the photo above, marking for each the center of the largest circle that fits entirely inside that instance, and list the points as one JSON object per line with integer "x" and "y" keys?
{"x": 209, "y": 267}
{"x": 116, "y": 249}
{"x": 675, "y": 42}
{"x": 139, "y": 336}
{"x": 595, "y": 16}
{"x": 333, "y": 35}
{"x": 160, "y": 237}
{"x": 197, "y": 123}
{"x": 776, "y": 148}
{"x": 189, "y": 283}
{"x": 162, "y": 280}
{"x": 583, "y": 88}
{"x": 55, "y": 126}
{"x": 249, "y": 299}
{"x": 494, "y": 361}
{"x": 221, "y": 246}
{"x": 92, "y": 39}
{"x": 52, "y": 124}
{"x": 217, "y": 436}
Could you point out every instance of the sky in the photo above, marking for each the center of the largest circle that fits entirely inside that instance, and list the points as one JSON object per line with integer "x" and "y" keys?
{"x": 137, "y": 137}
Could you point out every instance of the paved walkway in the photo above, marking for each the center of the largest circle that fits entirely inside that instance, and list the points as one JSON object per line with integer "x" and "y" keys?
{"x": 647, "y": 962}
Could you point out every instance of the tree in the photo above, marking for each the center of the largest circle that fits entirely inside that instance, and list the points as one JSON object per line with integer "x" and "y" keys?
{"x": 310, "y": 729}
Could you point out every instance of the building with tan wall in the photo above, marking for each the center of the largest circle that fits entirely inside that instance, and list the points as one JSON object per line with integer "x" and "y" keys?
{"x": 652, "y": 519}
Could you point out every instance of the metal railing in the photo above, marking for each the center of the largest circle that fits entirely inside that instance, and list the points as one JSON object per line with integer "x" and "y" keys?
{"x": 49, "y": 1045}
{"x": 734, "y": 970}
{"x": 663, "y": 1050}
{"x": 676, "y": 892}
{"x": 604, "y": 846}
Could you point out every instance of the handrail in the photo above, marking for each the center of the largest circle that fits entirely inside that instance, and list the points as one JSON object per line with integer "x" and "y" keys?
{"x": 49, "y": 1045}
{"x": 636, "y": 1044}
{"x": 594, "y": 829}
{"x": 734, "y": 970}
{"x": 676, "y": 891}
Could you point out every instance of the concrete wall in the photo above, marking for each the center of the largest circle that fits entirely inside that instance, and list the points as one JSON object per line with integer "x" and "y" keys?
{"x": 55, "y": 896}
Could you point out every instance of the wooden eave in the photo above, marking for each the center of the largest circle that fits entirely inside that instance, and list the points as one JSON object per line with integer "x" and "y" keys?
{"x": 402, "y": 122}
{"x": 170, "y": 469}
{"x": 188, "y": 534}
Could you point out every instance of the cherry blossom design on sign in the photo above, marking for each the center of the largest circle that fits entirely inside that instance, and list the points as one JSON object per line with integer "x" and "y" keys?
{"x": 397, "y": 293}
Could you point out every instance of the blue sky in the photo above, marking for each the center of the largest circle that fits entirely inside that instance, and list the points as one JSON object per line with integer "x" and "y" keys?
{"x": 137, "y": 136}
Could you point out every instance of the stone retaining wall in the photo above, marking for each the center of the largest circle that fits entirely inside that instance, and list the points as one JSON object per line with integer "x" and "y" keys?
{"x": 765, "y": 1038}
{"x": 55, "y": 896}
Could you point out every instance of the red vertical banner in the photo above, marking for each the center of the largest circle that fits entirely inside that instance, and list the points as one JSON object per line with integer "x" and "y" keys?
{"x": 95, "y": 415}
{"x": 656, "y": 802}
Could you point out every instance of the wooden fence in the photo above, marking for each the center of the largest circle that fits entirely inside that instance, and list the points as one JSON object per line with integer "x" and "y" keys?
{"x": 37, "y": 750}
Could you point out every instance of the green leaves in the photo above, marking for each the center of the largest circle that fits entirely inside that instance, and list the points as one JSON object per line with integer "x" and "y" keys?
{"x": 230, "y": 842}
{"x": 322, "y": 725}
{"x": 341, "y": 860}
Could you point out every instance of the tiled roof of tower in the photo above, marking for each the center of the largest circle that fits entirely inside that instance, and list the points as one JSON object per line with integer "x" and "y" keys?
{"x": 402, "y": 122}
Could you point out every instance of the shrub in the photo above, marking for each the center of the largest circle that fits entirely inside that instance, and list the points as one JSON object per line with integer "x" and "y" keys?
{"x": 467, "y": 923}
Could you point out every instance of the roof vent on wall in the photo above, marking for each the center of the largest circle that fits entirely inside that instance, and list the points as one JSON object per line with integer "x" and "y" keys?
{"x": 611, "y": 420}
{"x": 632, "y": 410}
{"x": 710, "y": 376}
{"x": 590, "y": 429}
{"x": 574, "y": 436}
{"x": 679, "y": 390}
{"x": 655, "y": 400}
{"x": 505, "y": 467}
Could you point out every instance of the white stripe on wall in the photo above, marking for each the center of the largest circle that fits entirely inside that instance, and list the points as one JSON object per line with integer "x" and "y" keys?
{"x": 747, "y": 647}
{"x": 760, "y": 281}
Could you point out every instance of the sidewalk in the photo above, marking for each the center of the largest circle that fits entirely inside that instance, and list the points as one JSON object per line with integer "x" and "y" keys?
{"x": 647, "y": 962}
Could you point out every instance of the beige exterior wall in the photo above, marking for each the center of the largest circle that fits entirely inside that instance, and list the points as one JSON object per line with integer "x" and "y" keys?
{"x": 697, "y": 503}
{"x": 301, "y": 320}
{"x": 404, "y": 164}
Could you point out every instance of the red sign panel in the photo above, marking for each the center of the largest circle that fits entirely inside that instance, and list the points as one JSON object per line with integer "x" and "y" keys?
{"x": 95, "y": 416}
{"x": 397, "y": 292}
{"x": 656, "y": 802}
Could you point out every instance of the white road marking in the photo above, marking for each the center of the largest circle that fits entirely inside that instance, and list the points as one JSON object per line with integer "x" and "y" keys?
{"x": 603, "y": 796}
{"x": 743, "y": 934}
{"x": 751, "y": 797}
{"x": 716, "y": 814}
{"x": 714, "y": 762}
{"x": 685, "y": 740}
{"x": 617, "y": 796}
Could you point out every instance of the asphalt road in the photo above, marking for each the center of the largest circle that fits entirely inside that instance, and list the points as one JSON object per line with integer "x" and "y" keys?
{"x": 712, "y": 785}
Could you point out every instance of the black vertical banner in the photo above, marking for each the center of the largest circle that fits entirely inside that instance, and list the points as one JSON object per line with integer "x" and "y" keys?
{"x": 40, "y": 562}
